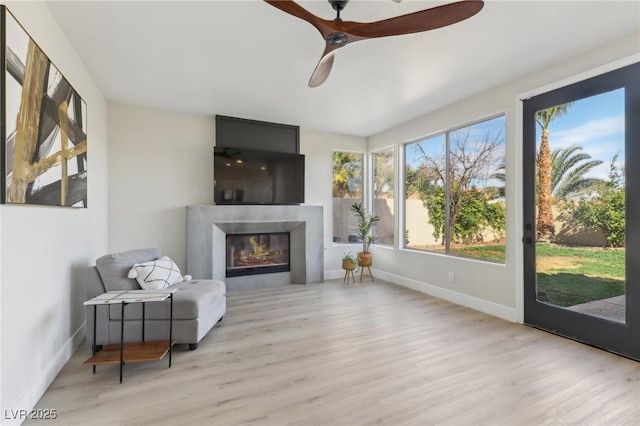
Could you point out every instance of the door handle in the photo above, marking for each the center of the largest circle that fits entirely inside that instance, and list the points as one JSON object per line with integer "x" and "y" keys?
{"x": 527, "y": 240}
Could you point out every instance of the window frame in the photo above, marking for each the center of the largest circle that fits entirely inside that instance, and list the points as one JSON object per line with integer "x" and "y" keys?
{"x": 403, "y": 179}
{"x": 364, "y": 190}
{"x": 394, "y": 180}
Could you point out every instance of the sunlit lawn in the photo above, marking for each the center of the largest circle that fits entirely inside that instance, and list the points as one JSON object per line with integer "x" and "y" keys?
{"x": 568, "y": 275}
{"x": 489, "y": 251}
{"x": 573, "y": 275}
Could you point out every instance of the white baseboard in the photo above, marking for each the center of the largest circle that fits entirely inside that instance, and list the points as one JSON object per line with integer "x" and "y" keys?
{"x": 500, "y": 311}
{"x": 35, "y": 391}
{"x": 334, "y": 274}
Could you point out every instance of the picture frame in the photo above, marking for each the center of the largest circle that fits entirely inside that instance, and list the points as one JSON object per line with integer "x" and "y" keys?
{"x": 44, "y": 125}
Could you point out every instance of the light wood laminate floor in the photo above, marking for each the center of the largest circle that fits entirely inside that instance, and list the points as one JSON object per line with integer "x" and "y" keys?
{"x": 371, "y": 353}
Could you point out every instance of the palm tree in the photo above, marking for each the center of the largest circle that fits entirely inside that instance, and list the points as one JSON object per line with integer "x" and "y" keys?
{"x": 346, "y": 174}
{"x": 568, "y": 167}
{"x": 544, "y": 223}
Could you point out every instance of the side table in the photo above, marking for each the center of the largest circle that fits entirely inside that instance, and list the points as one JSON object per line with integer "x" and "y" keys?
{"x": 124, "y": 353}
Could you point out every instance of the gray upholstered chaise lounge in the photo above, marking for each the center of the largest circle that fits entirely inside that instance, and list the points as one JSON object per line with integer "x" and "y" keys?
{"x": 198, "y": 304}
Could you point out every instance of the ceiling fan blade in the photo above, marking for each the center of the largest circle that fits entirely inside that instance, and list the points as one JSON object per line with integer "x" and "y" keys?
{"x": 424, "y": 20}
{"x": 293, "y": 8}
{"x": 324, "y": 66}
{"x": 337, "y": 33}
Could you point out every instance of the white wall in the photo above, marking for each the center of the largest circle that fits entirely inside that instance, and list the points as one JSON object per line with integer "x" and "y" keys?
{"x": 159, "y": 163}
{"x": 44, "y": 251}
{"x": 162, "y": 161}
{"x": 489, "y": 287}
{"x": 318, "y": 148}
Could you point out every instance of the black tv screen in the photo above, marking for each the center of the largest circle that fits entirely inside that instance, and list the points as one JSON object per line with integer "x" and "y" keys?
{"x": 243, "y": 176}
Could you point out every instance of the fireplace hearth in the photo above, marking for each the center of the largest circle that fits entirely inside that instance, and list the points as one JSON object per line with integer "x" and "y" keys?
{"x": 257, "y": 253}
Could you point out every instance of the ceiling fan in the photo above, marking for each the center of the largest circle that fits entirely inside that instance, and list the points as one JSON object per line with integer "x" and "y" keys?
{"x": 339, "y": 33}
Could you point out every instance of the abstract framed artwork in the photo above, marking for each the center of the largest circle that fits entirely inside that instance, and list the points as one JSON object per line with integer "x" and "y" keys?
{"x": 44, "y": 125}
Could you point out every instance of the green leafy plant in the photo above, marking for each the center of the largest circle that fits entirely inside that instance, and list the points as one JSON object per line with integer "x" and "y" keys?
{"x": 353, "y": 259}
{"x": 366, "y": 223}
{"x": 606, "y": 210}
{"x": 477, "y": 211}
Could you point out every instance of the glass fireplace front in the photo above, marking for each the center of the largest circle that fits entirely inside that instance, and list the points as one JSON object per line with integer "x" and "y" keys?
{"x": 258, "y": 253}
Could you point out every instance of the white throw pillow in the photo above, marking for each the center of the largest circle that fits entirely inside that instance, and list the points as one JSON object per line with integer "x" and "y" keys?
{"x": 156, "y": 274}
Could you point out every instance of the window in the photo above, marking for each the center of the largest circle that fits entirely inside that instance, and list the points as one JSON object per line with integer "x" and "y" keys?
{"x": 455, "y": 193}
{"x": 347, "y": 190}
{"x": 383, "y": 197}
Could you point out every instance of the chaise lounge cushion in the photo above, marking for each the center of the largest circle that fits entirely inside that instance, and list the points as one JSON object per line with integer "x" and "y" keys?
{"x": 190, "y": 301}
{"x": 194, "y": 297}
{"x": 113, "y": 268}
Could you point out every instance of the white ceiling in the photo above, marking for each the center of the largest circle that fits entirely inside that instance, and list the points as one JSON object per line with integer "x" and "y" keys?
{"x": 248, "y": 59}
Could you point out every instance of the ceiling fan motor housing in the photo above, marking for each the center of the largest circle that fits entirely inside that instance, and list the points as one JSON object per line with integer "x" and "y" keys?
{"x": 338, "y": 5}
{"x": 337, "y": 39}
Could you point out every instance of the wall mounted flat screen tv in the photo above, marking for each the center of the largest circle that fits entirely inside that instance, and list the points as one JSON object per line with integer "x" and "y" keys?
{"x": 244, "y": 176}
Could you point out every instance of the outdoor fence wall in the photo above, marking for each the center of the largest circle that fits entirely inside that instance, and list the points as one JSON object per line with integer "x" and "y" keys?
{"x": 572, "y": 234}
{"x": 420, "y": 231}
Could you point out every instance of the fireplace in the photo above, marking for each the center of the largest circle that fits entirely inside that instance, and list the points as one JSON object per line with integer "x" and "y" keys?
{"x": 208, "y": 226}
{"x": 257, "y": 253}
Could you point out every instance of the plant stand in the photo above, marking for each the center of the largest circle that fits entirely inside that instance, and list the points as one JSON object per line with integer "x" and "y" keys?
{"x": 348, "y": 274}
{"x": 365, "y": 260}
{"x": 368, "y": 269}
{"x": 348, "y": 266}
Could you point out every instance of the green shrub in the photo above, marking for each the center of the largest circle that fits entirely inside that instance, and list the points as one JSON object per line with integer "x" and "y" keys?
{"x": 473, "y": 213}
{"x": 605, "y": 210}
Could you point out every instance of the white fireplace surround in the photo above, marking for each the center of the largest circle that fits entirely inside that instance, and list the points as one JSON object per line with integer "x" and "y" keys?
{"x": 207, "y": 227}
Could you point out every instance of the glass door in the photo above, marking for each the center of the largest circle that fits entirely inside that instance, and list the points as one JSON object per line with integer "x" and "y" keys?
{"x": 582, "y": 211}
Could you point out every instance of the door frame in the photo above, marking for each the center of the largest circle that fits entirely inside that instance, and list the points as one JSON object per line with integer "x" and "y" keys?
{"x": 603, "y": 333}
{"x": 517, "y": 171}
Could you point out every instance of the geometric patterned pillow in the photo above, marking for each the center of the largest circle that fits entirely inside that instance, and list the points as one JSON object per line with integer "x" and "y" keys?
{"x": 156, "y": 274}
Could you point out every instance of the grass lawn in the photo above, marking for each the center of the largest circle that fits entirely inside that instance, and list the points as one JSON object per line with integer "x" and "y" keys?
{"x": 573, "y": 275}
{"x": 568, "y": 275}
{"x": 489, "y": 251}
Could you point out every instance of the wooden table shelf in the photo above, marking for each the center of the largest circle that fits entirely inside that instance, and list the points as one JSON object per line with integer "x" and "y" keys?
{"x": 133, "y": 352}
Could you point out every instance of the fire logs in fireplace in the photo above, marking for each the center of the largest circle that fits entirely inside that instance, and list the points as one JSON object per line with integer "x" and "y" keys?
{"x": 263, "y": 253}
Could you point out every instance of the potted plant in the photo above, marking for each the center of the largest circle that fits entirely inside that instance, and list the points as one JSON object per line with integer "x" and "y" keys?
{"x": 349, "y": 264}
{"x": 366, "y": 223}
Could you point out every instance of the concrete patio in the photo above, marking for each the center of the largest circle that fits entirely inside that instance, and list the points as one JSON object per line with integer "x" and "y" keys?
{"x": 612, "y": 308}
